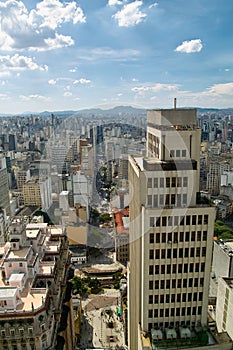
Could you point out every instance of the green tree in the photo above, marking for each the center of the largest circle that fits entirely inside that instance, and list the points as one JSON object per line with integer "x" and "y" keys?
{"x": 79, "y": 285}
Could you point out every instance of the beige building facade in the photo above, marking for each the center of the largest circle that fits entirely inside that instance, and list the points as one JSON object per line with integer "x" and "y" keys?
{"x": 170, "y": 232}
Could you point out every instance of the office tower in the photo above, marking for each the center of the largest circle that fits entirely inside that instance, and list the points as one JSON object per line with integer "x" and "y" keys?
{"x": 4, "y": 186}
{"x": 170, "y": 232}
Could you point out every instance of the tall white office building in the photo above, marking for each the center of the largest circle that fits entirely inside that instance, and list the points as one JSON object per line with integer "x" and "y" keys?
{"x": 170, "y": 233}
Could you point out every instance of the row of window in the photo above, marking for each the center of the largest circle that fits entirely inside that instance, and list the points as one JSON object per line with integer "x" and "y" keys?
{"x": 177, "y": 253}
{"x": 179, "y": 268}
{"x": 179, "y": 220}
{"x": 184, "y": 311}
{"x": 162, "y": 182}
{"x": 175, "y": 237}
{"x": 175, "y": 298}
{"x": 178, "y": 153}
{"x": 162, "y": 200}
{"x": 20, "y": 331}
{"x": 170, "y": 324}
{"x": 177, "y": 283}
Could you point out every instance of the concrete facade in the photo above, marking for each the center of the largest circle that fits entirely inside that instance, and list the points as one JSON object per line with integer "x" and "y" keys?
{"x": 170, "y": 233}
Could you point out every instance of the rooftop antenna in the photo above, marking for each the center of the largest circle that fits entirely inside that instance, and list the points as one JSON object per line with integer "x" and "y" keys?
{"x": 175, "y": 103}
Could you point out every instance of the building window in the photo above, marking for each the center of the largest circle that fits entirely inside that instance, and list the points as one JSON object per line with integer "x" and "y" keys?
{"x": 173, "y": 298}
{"x": 161, "y": 182}
{"x": 203, "y": 253}
{"x": 184, "y": 198}
{"x": 185, "y": 268}
{"x": 181, "y": 236}
{"x": 198, "y": 251}
{"x": 175, "y": 253}
{"x": 156, "y": 299}
{"x": 157, "y": 253}
{"x": 161, "y": 200}
{"x": 168, "y": 284}
{"x": 169, "y": 254}
{"x": 167, "y": 181}
{"x": 157, "y": 222}
{"x": 177, "y": 153}
{"x": 162, "y": 299}
{"x": 204, "y": 236}
{"x": 179, "y": 181}
{"x": 188, "y": 220}
{"x": 205, "y": 219}
{"x": 172, "y": 312}
{"x": 152, "y": 221}
{"x": 156, "y": 284}
{"x": 184, "y": 297}
{"x": 151, "y": 269}
{"x": 167, "y": 199}
{"x": 174, "y": 268}
{"x": 184, "y": 153}
{"x": 200, "y": 296}
{"x": 151, "y": 254}
{"x": 157, "y": 237}
{"x": 151, "y": 238}
{"x": 162, "y": 269}
{"x": 150, "y": 313}
{"x": 167, "y": 298}
{"x": 156, "y": 313}
{"x": 163, "y": 237}
{"x": 172, "y": 153}
{"x": 185, "y": 181}
{"x": 173, "y": 283}
{"x": 164, "y": 221}
{"x": 150, "y": 299}
{"x": 194, "y": 219}
{"x": 163, "y": 253}
{"x": 150, "y": 285}
{"x": 155, "y": 182}
{"x": 173, "y": 181}
{"x": 181, "y": 253}
{"x": 149, "y": 200}
{"x": 191, "y": 265}
{"x": 198, "y": 236}
{"x": 149, "y": 182}
{"x": 155, "y": 200}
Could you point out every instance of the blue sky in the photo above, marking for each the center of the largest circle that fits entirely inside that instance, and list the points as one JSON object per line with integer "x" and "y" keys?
{"x": 60, "y": 55}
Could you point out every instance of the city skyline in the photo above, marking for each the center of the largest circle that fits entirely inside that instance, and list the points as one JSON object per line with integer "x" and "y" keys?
{"x": 58, "y": 55}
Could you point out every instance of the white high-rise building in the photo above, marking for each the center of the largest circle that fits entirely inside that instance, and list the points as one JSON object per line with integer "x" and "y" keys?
{"x": 170, "y": 232}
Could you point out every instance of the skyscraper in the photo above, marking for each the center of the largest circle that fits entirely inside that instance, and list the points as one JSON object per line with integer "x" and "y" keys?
{"x": 170, "y": 231}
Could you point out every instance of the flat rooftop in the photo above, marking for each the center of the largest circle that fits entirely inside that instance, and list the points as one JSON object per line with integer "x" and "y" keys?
{"x": 18, "y": 254}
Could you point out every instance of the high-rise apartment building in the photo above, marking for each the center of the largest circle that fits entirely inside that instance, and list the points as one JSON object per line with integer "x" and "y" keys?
{"x": 170, "y": 232}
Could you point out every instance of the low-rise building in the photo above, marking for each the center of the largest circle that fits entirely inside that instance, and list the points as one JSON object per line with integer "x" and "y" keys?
{"x": 34, "y": 266}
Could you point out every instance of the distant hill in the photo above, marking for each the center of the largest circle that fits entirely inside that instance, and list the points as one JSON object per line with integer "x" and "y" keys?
{"x": 112, "y": 112}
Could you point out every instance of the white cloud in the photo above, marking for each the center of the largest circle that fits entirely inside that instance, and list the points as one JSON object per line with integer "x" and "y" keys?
{"x": 101, "y": 53}
{"x": 114, "y": 2}
{"x": 72, "y": 70}
{"x": 52, "y": 82}
{"x": 190, "y": 46}
{"x": 33, "y": 97}
{"x": 82, "y": 81}
{"x": 57, "y": 42}
{"x": 155, "y": 88}
{"x": 67, "y": 94}
{"x": 53, "y": 13}
{"x": 130, "y": 15}
{"x": 37, "y": 29}
{"x": 155, "y": 4}
{"x": 221, "y": 89}
{"x": 18, "y": 62}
